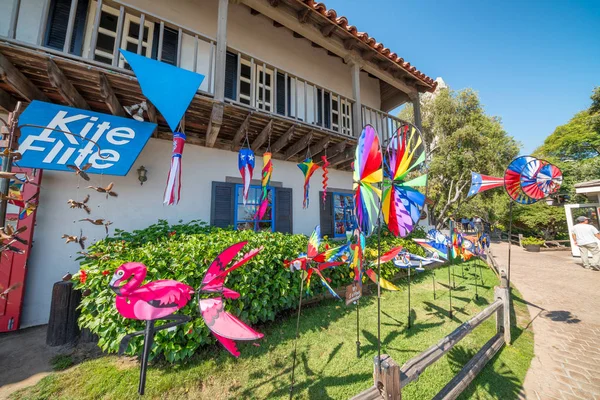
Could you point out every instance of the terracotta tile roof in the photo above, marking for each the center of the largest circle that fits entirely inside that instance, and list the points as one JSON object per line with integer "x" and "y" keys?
{"x": 364, "y": 37}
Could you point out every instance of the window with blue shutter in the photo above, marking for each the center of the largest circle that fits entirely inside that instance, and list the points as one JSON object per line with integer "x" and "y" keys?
{"x": 58, "y": 20}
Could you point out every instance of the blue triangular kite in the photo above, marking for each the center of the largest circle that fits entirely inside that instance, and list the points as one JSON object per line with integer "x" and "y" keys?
{"x": 169, "y": 88}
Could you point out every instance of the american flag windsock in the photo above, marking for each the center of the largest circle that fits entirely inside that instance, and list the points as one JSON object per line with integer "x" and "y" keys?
{"x": 246, "y": 167}
{"x": 481, "y": 183}
{"x": 173, "y": 189}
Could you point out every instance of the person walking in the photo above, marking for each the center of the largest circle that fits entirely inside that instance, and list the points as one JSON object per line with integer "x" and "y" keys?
{"x": 584, "y": 236}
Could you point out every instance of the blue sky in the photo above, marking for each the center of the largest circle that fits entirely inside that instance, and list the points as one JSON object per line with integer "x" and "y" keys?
{"x": 534, "y": 63}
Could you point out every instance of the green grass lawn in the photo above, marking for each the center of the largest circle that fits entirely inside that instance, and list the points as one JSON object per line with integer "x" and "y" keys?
{"x": 327, "y": 364}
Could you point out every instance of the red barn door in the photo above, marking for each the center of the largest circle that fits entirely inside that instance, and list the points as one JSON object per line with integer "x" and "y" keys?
{"x": 13, "y": 266}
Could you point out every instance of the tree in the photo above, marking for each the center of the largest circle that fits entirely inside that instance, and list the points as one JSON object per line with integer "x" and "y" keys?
{"x": 578, "y": 139}
{"x": 460, "y": 138}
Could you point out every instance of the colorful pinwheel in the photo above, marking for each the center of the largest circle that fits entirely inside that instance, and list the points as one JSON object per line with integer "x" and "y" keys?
{"x": 367, "y": 175}
{"x": 267, "y": 171}
{"x": 512, "y": 180}
{"x": 436, "y": 243}
{"x": 308, "y": 167}
{"x": 402, "y": 203}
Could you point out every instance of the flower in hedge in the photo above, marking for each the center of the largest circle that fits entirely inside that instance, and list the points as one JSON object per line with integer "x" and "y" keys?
{"x": 172, "y": 233}
{"x": 105, "y": 272}
{"x": 82, "y": 276}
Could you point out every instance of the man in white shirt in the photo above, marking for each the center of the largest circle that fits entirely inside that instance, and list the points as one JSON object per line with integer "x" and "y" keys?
{"x": 585, "y": 236}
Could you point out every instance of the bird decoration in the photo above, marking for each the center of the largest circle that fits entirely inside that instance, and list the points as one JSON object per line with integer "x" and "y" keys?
{"x": 108, "y": 190}
{"x": 267, "y": 171}
{"x": 81, "y": 171}
{"x": 75, "y": 239}
{"x": 15, "y": 155}
{"x": 224, "y": 326}
{"x": 173, "y": 188}
{"x": 308, "y": 168}
{"x": 156, "y": 300}
{"x": 325, "y": 176}
{"x": 246, "y": 161}
{"x": 4, "y": 292}
{"x": 100, "y": 221}
{"x": 9, "y": 233}
{"x": 80, "y": 204}
{"x": 9, "y": 246}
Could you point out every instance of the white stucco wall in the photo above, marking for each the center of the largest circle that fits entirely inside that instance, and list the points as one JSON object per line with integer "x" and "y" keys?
{"x": 139, "y": 206}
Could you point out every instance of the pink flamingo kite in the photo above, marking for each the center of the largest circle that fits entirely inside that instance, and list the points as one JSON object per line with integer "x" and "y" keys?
{"x": 223, "y": 325}
{"x": 156, "y": 300}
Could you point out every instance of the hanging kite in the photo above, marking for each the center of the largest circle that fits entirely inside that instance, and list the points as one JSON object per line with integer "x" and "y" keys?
{"x": 223, "y": 325}
{"x": 246, "y": 167}
{"x": 171, "y": 90}
{"x": 368, "y": 174}
{"x": 308, "y": 167}
{"x": 267, "y": 171}
{"x": 402, "y": 203}
{"x": 173, "y": 189}
{"x": 325, "y": 177}
{"x": 156, "y": 300}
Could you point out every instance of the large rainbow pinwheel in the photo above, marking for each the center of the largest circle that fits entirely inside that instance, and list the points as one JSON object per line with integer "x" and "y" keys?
{"x": 308, "y": 168}
{"x": 367, "y": 175}
{"x": 402, "y": 203}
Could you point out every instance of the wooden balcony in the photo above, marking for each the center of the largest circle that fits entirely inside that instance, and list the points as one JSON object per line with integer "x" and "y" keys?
{"x": 267, "y": 103}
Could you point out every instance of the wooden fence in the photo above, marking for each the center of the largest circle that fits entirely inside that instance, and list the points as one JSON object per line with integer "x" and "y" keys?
{"x": 389, "y": 378}
{"x": 548, "y": 245}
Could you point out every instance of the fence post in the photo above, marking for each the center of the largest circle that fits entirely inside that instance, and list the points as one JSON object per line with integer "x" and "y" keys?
{"x": 386, "y": 377}
{"x": 520, "y": 240}
{"x": 62, "y": 324}
{"x": 503, "y": 316}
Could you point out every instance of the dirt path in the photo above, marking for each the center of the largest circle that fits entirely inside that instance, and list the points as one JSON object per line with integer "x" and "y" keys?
{"x": 564, "y": 303}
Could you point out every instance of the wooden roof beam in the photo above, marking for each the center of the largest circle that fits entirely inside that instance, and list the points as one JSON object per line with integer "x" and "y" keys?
{"x": 65, "y": 87}
{"x": 240, "y": 133}
{"x": 283, "y": 139}
{"x": 344, "y": 156}
{"x": 277, "y": 24}
{"x": 274, "y": 3}
{"x": 7, "y": 101}
{"x": 214, "y": 125}
{"x": 327, "y": 30}
{"x": 108, "y": 95}
{"x": 303, "y": 15}
{"x": 332, "y": 150}
{"x": 152, "y": 116}
{"x": 262, "y": 136}
{"x": 321, "y": 145}
{"x": 298, "y": 146}
{"x": 19, "y": 82}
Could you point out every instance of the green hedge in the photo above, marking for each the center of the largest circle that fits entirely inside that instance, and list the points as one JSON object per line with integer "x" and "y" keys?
{"x": 183, "y": 252}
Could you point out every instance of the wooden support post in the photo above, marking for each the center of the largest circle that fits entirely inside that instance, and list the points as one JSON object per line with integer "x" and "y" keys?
{"x": 503, "y": 293}
{"x": 342, "y": 157}
{"x": 241, "y": 133}
{"x": 152, "y": 116}
{"x": 65, "y": 87}
{"x": 298, "y": 146}
{"x": 283, "y": 139}
{"x": 262, "y": 136}
{"x": 320, "y": 146}
{"x": 19, "y": 82}
{"x": 109, "y": 97}
{"x": 386, "y": 376}
{"x": 417, "y": 111}
{"x": 357, "y": 122}
{"x": 7, "y": 101}
{"x": 214, "y": 125}
{"x": 221, "y": 50}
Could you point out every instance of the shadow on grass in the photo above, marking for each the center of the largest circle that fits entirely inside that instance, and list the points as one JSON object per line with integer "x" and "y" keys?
{"x": 499, "y": 384}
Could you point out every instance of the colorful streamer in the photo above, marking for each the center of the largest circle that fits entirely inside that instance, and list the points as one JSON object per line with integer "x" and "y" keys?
{"x": 308, "y": 168}
{"x": 481, "y": 183}
{"x": 325, "y": 177}
{"x": 267, "y": 171}
{"x": 173, "y": 189}
{"x": 246, "y": 167}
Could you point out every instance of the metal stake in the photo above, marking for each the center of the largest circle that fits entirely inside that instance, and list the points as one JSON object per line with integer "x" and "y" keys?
{"x": 148, "y": 338}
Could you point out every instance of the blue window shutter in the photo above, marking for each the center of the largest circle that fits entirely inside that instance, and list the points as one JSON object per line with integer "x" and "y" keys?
{"x": 222, "y": 204}
{"x": 326, "y": 214}
{"x": 283, "y": 210}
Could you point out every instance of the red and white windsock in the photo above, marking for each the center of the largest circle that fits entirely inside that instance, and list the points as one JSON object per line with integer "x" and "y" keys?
{"x": 173, "y": 189}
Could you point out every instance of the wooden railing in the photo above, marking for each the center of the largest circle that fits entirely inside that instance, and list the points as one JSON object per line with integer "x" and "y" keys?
{"x": 389, "y": 378}
{"x": 384, "y": 123}
{"x": 268, "y": 88}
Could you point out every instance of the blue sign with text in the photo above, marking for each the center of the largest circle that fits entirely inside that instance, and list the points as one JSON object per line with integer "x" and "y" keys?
{"x": 111, "y": 144}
